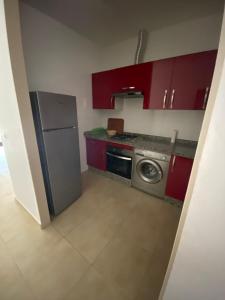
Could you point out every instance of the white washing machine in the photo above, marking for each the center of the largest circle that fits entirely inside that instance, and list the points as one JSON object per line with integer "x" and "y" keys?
{"x": 149, "y": 172}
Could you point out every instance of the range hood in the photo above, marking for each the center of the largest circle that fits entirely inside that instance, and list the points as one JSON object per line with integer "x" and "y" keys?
{"x": 132, "y": 91}
{"x": 128, "y": 92}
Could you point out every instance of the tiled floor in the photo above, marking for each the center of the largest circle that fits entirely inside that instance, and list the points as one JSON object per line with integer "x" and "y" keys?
{"x": 112, "y": 244}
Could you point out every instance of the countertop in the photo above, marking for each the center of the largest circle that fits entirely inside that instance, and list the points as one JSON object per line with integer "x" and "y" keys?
{"x": 159, "y": 144}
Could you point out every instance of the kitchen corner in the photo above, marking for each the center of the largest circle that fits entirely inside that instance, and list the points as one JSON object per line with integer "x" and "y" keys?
{"x": 157, "y": 166}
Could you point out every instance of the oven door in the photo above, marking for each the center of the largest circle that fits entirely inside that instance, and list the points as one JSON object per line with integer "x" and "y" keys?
{"x": 119, "y": 164}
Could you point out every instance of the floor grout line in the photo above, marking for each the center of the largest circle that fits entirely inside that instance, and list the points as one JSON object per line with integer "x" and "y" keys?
{"x": 20, "y": 272}
{"x": 114, "y": 221}
{"x": 74, "y": 248}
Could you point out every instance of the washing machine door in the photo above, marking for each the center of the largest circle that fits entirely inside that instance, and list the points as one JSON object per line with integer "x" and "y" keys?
{"x": 149, "y": 171}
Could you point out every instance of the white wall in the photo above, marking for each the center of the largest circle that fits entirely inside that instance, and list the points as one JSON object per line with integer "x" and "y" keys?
{"x": 15, "y": 117}
{"x": 188, "y": 37}
{"x": 198, "y": 271}
{"x": 162, "y": 123}
{"x": 59, "y": 60}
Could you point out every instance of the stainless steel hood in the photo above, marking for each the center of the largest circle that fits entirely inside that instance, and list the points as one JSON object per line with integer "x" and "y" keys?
{"x": 128, "y": 94}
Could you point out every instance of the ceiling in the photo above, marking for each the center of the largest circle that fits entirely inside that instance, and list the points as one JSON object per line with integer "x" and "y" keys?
{"x": 109, "y": 21}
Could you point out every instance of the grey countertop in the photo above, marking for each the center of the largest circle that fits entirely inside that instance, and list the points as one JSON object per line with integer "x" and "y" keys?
{"x": 183, "y": 148}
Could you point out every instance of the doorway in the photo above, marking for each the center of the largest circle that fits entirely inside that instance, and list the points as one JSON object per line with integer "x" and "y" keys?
{"x": 3, "y": 163}
{"x": 5, "y": 182}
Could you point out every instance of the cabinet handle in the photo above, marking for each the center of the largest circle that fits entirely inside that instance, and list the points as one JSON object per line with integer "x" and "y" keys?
{"x": 111, "y": 101}
{"x": 205, "y": 97}
{"x": 118, "y": 156}
{"x": 172, "y": 98}
{"x": 173, "y": 163}
{"x": 164, "y": 99}
{"x": 128, "y": 88}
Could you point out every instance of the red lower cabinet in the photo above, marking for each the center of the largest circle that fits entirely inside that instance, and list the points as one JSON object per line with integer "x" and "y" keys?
{"x": 96, "y": 153}
{"x": 178, "y": 177}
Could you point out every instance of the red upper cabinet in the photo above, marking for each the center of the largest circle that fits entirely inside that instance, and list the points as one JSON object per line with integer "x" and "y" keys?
{"x": 102, "y": 85}
{"x": 96, "y": 153}
{"x": 178, "y": 177}
{"x": 162, "y": 71}
{"x": 121, "y": 80}
{"x": 133, "y": 78}
{"x": 175, "y": 83}
{"x": 191, "y": 80}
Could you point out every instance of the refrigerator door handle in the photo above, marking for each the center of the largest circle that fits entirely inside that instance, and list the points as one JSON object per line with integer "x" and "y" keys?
{"x": 55, "y": 129}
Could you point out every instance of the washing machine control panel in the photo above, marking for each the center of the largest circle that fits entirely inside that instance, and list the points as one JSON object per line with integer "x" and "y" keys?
{"x": 152, "y": 154}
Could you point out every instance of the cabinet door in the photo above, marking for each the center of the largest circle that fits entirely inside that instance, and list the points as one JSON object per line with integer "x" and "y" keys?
{"x": 96, "y": 153}
{"x": 102, "y": 90}
{"x": 161, "y": 83}
{"x": 178, "y": 177}
{"x": 126, "y": 79}
{"x": 191, "y": 80}
{"x": 133, "y": 78}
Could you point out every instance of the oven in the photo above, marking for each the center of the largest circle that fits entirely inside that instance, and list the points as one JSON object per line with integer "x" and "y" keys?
{"x": 119, "y": 161}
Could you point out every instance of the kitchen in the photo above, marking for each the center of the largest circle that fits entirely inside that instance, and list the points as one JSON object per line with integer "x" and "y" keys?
{"x": 141, "y": 115}
{"x": 187, "y": 90}
{"x": 138, "y": 132}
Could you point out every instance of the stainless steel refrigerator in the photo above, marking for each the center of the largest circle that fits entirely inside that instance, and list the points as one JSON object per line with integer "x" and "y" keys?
{"x": 55, "y": 120}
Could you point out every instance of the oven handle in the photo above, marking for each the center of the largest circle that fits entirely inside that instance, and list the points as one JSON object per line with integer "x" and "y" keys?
{"x": 118, "y": 156}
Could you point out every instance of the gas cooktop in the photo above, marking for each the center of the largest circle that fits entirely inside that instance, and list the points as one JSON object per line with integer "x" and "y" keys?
{"x": 124, "y": 137}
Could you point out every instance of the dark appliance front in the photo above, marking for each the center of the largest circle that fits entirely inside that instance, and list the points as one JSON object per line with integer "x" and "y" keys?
{"x": 119, "y": 161}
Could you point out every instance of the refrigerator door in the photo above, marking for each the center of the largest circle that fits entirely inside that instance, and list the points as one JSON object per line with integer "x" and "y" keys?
{"x": 56, "y": 111}
{"x": 63, "y": 166}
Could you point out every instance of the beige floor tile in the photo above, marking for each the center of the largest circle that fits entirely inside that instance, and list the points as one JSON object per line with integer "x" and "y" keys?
{"x": 124, "y": 263}
{"x": 93, "y": 235}
{"x": 154, "y": 276}
{"x": 126, "y": 234}
{"x": 168, "y": 232}
{"x": 90, "y": 238}
{"x": 153, "y": 279}
{"x": 92, "y": 201}
{"x": 14, "y": 219}
{"x": 8, "y": 207}
{"x": 142, "y": 225}
{"x": 12, "y": 283}
{"x": 70, "y": 218}
{"x": 95, "y": 198}
{"x": 90, "y": 178}
{"x": 52, "y": 275}
{"x": 30, "y": 244}
{"x": 91, "y": 181}
{"x": 106, "y": 187}
{"x": 93, "y": 286}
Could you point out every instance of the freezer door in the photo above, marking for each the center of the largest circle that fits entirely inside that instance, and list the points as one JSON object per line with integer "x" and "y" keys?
{"x": 63, "y": 164}
{"x": 56, "y": 111}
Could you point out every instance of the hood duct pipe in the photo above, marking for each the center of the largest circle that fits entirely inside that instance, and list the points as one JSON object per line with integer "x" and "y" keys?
{"x": 142, "y": 41}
